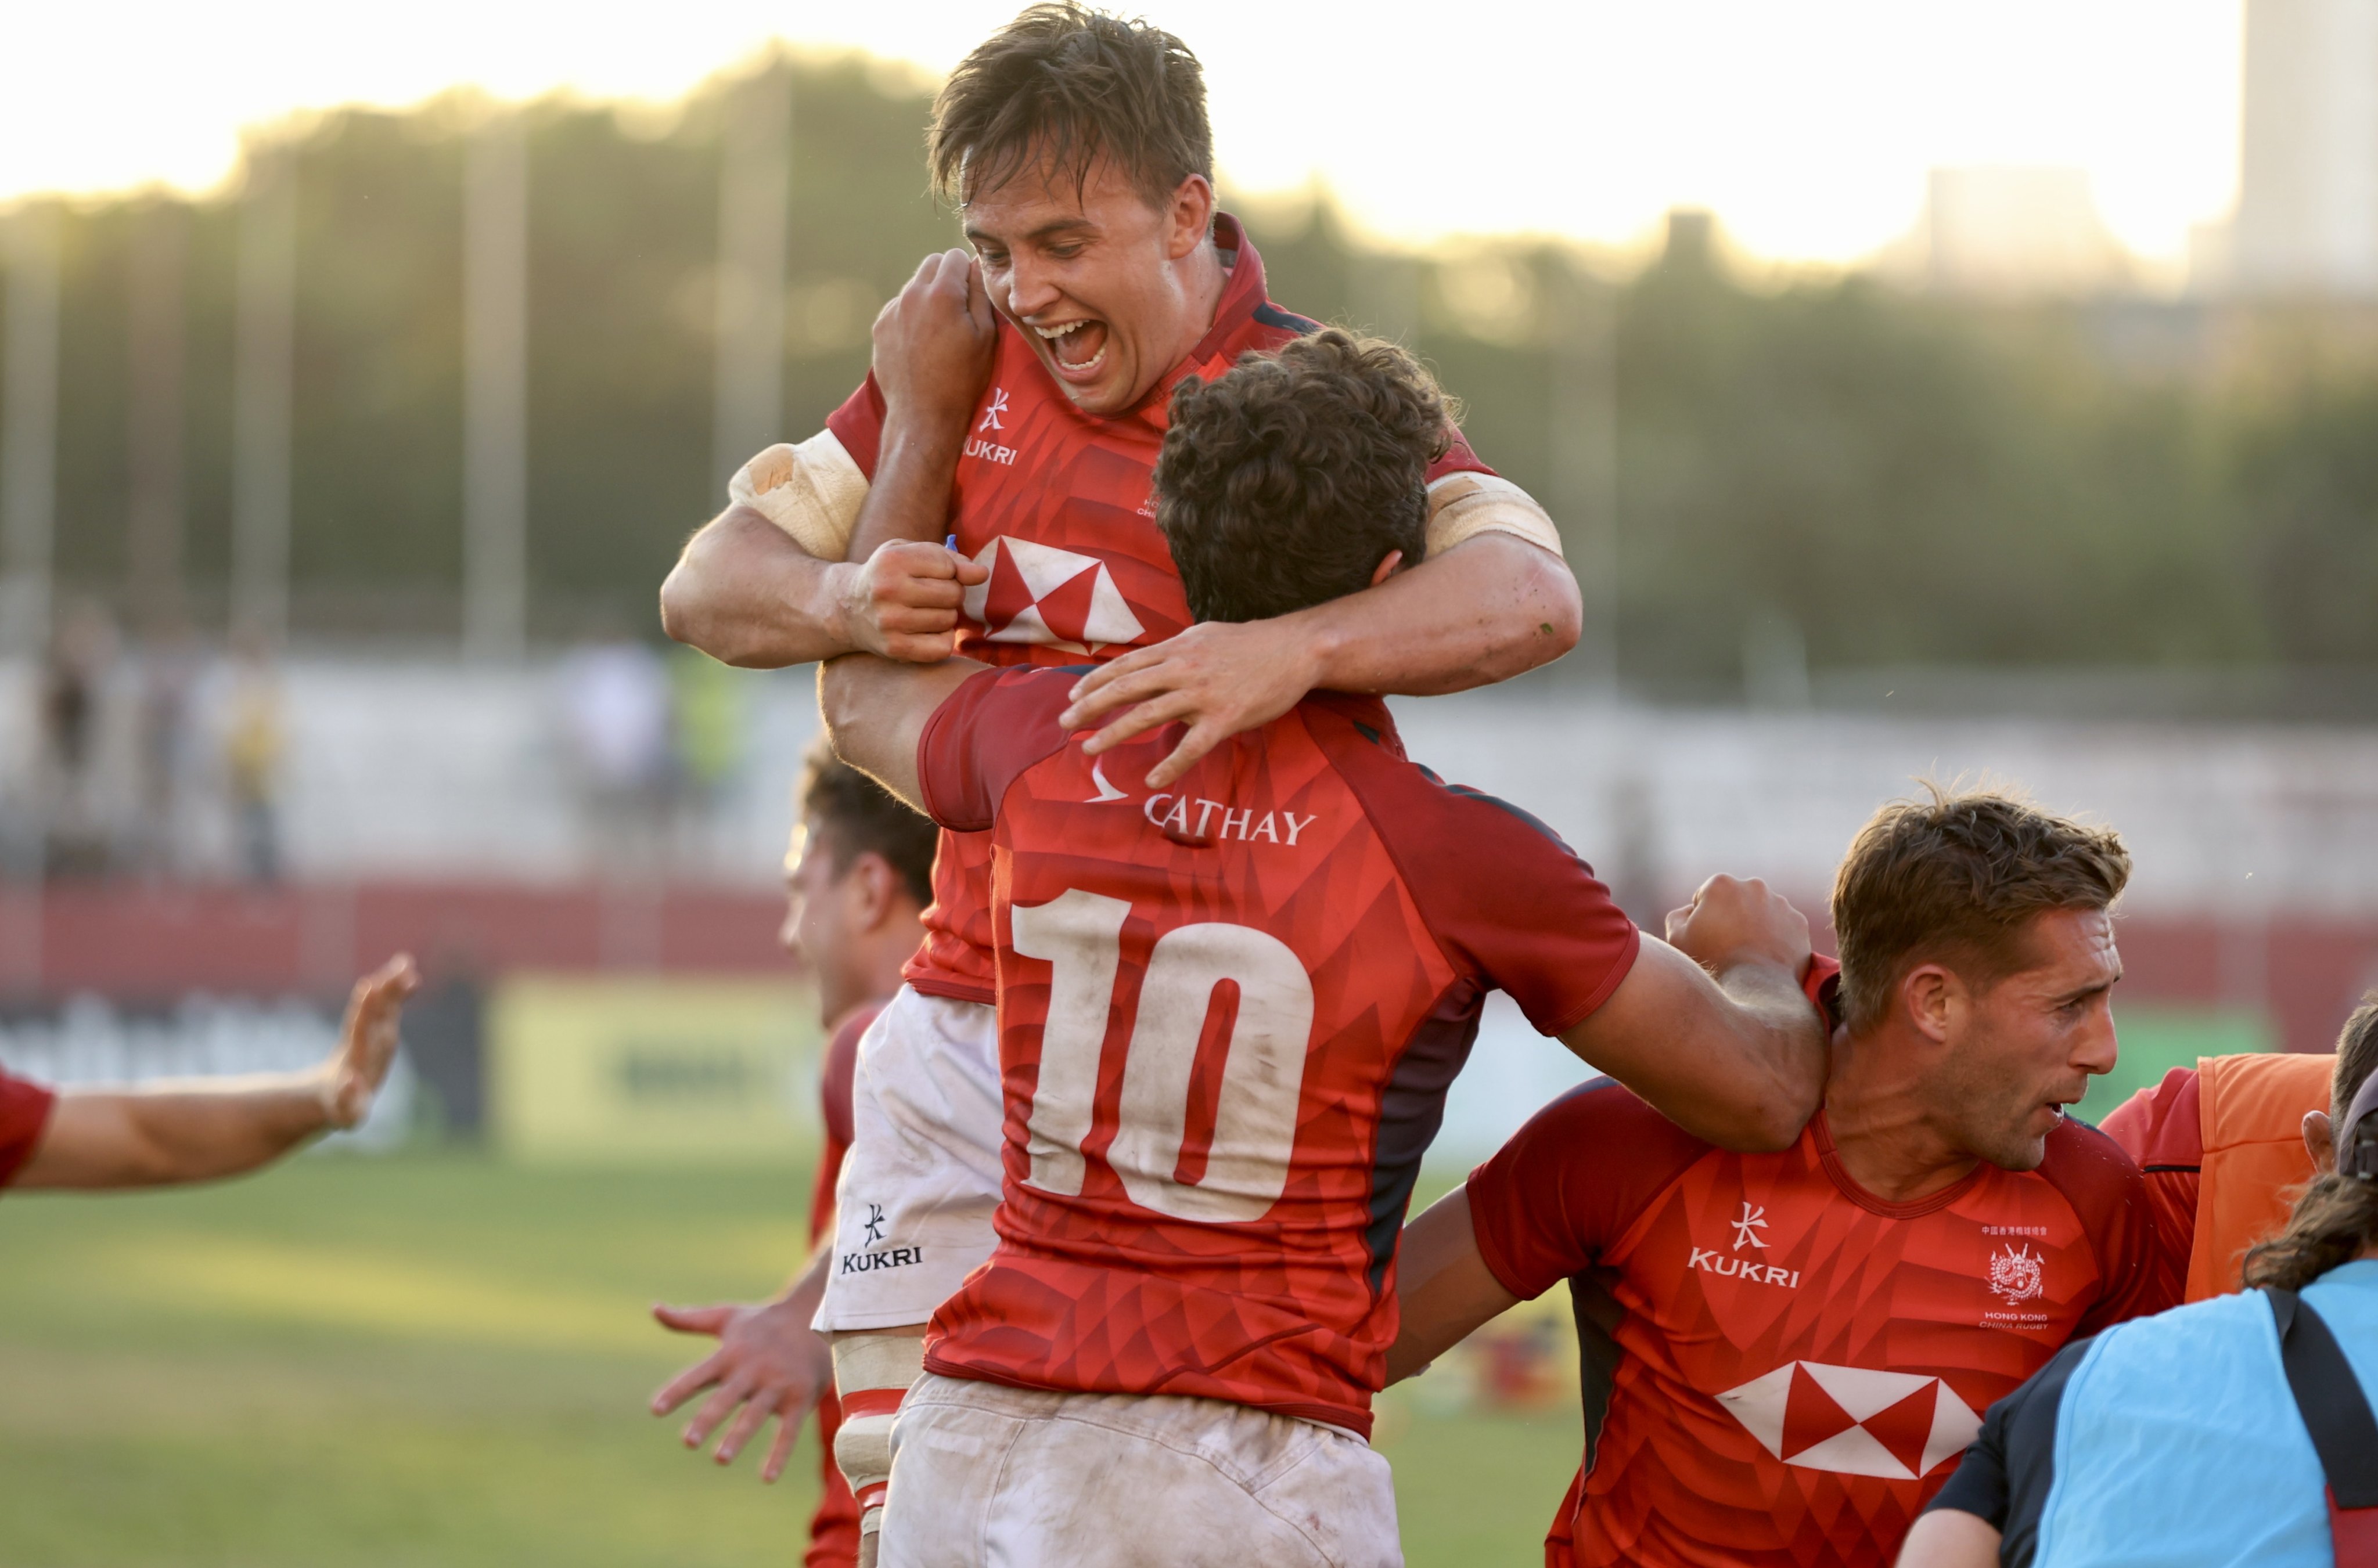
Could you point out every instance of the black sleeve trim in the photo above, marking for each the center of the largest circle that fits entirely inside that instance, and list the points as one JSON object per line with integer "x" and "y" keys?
{"x": 2007, "y": 1474}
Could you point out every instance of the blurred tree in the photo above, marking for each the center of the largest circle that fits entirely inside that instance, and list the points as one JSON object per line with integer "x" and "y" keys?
{"x": 1826, "y": 465}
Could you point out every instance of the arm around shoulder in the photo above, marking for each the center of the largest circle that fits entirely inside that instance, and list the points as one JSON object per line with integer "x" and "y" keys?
{"x": 875, "y": 713}
{"x": 1737, "y": 1060}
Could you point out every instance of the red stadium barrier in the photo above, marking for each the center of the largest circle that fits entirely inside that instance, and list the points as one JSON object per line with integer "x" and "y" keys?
{"x": 138, "y": 943}
{"x": 153, "y": 942}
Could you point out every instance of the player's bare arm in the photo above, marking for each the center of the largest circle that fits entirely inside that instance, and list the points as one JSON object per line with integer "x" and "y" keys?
{"x": 1949, "y": 1538}
{"x": 201, "y": 1132}
{"x": 1718, "y": 1037}
{"x": 1492, "y": 607}
{"x": 769, "y": 1362}
{"x": 875, "y": 711}
{"x": 747, "y": 594}
{"x": 1443, "y": 1289}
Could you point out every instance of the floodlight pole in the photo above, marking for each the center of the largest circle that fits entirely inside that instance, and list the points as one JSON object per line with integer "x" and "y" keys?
{"x": 154, "y": 341}
{"x": 1584, "y": 415}
{"x": 263, "y": 383}
{"x": 28, "y": 429}
{"x": 495, "y": 389}
{"x": 754, "y": 199}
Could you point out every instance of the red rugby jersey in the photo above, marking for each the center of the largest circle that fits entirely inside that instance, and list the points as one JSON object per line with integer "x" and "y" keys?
{"x": 833, "y": 1528}
{"x": 24, "y": 1111}
{"x": 1057, "y": 504}
{"x": 2162, "y": 1128}
{"x": 1229, "y": 1013}
{"x": 1779, "y": 1367}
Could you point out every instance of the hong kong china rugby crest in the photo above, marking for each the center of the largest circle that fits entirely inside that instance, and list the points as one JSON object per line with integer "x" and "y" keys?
{"x": 2016, "y": 1275}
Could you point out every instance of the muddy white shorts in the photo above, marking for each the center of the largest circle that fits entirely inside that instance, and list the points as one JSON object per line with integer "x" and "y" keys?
{"x": 1007, "y": 1476}
{"x": 913, "y": 1206}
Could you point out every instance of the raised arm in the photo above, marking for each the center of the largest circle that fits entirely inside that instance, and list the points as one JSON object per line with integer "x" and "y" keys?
{"x": 875, "y": 712}
{"x": 1443, "y": 1289}
{"x": 869, "y": 573}
{"x": 1729, "y": 1048}
{"x": 1490, "y": 607}
{"x": 200, "y": 1132}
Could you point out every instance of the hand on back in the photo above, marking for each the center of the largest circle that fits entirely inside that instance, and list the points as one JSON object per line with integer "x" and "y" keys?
{"x": 1220, "y": 678}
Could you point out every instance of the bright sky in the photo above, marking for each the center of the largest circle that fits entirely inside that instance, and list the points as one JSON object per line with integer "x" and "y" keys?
{"x": 1808, "y": 127}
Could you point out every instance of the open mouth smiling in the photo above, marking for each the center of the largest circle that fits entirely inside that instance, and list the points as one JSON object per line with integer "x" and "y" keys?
{"x": 1078, "y": 347}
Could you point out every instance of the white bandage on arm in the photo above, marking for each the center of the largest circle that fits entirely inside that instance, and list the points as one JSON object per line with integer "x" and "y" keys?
{"x": 872, "y": 1371}
{"x": 1463, "y": 506}
{"x": 812, "y": 491}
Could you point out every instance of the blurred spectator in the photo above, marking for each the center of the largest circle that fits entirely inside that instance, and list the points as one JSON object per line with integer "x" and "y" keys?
{"x": 2107, "y": 1457}
{"x": 710, "y": 740}
{"x": 81, "y": 655}
{"x": 615, "y": 718}
{"x": 254, "y": 742}
{"x": 169, "y": 670}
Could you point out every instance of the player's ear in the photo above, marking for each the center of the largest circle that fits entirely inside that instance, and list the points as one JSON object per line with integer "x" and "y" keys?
{"x": 1390, "y": 563}
{"x": 1189, "y": 216}
{"x": 1931, "y": 998}
{"x": 2319, "y": 1142}
{"x": 871, "y": 881}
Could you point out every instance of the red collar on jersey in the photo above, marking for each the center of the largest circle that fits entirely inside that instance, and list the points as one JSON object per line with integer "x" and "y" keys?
{"x": 1242, "y": 295}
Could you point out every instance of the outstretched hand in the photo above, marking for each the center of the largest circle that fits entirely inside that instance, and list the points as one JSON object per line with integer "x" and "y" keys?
{"x": 769, "y": 1362}
{"x": 1733, "y": 920}
{"x": 351, "y": 1079}
{"x": 1220, "y": 678}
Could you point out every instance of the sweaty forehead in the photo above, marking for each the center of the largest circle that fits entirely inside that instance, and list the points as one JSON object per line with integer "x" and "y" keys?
{"x": 2072, "y": 948}
{"x": 1037, "y": 195}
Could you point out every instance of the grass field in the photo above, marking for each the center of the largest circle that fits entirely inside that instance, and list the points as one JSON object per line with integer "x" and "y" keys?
{"x": 443, "y": 1360}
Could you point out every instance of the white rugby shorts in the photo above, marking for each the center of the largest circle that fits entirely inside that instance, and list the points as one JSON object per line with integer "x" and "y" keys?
{"x": 1028, "y": 1475}
{"x": 912, "y": 1207}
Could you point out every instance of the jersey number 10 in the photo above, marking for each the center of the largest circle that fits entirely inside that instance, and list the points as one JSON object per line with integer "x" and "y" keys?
{"x": 1080, "y": 936}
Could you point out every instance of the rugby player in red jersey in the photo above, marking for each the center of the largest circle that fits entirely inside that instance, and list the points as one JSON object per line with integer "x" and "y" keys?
{"x": 858, "y": 875}
{"x": 1230, "y": 1006}
{"x": 166, "y": 1134}
{"x": 1784, "y": 1354}
{"x": 1016, "y": 407}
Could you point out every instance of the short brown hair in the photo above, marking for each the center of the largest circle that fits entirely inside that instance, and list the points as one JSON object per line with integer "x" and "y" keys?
{"x": 1061, "y": 84}
{"x": 1957, "y": 877}
{"x": 2337, "y": 1216}
{"x": 1284, "y": 482}
{"x": 848, "y": 814}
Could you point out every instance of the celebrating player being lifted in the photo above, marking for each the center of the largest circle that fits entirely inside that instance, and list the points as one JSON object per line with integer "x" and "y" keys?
{"x": 1229, "y": 1008}
{"x": 1016, "y": 407}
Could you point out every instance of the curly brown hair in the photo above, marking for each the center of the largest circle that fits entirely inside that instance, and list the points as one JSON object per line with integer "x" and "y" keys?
{"x": 1957, "y": 878}
{"x": 1286, "y": 481}
{"x": 2337, "y": 1216}
{"x": 1059, "y": 85}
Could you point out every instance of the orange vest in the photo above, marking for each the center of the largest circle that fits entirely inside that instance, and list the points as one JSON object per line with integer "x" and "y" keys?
{"x": 2253, "y": 1109}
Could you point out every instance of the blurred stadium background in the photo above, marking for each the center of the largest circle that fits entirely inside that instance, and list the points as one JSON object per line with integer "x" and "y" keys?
{"x": 333, "y": 507}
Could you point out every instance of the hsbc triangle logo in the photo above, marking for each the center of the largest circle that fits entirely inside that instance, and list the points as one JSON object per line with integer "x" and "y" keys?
{"x": 1854, "y": 1421}
{"x": 1040, "y": 593}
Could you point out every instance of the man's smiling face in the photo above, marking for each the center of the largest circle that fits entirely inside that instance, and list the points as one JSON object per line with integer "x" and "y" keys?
{"x": 1094, "y": 276}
